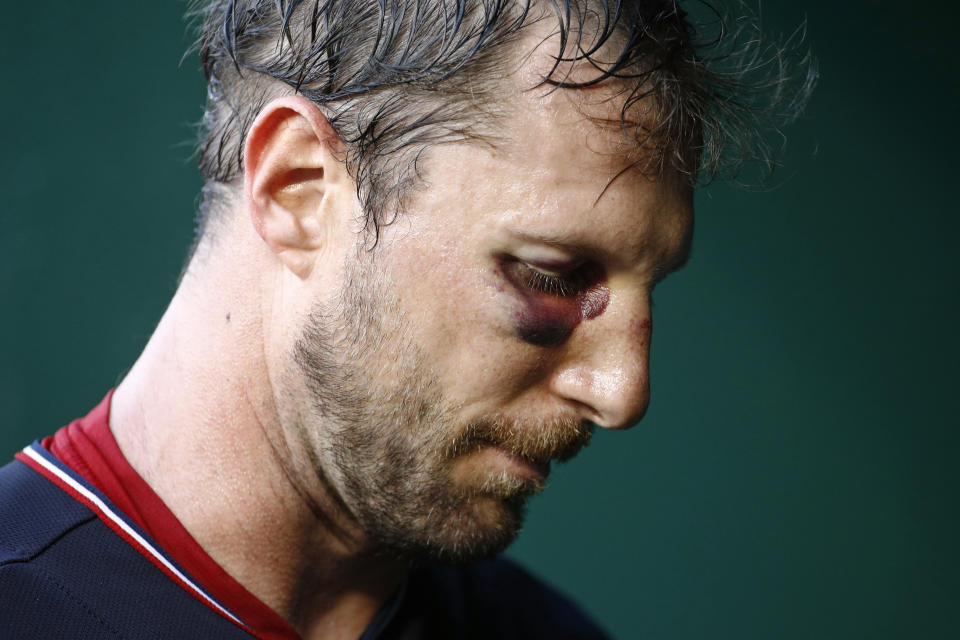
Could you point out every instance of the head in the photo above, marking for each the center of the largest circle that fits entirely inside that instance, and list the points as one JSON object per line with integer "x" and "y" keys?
{"x": 467, "y": 205}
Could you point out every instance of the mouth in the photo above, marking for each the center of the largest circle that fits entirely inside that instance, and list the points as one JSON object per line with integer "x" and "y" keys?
{"x": 516, "y": 464}
{"x": 518, "y": 454}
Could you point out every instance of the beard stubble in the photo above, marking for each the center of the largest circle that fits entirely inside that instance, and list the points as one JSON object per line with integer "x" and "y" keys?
{"x": 390, "y": 439}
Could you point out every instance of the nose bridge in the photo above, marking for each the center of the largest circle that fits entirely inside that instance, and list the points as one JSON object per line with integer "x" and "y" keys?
{"x": 607, "y": 371}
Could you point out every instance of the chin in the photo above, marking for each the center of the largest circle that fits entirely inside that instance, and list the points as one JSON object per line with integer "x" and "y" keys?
{"x": 480, "y": 527}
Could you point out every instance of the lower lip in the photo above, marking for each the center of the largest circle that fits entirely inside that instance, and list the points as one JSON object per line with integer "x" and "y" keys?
{"x": 520, "y": 466}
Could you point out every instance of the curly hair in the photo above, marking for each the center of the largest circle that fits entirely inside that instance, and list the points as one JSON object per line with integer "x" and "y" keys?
{"x": 395, "y": 77}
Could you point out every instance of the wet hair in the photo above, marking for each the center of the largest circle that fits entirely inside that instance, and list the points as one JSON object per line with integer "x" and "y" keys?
{"x": 395, "y": 77}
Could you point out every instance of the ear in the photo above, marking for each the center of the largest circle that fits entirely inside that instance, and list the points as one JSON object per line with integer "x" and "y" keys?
{"x": 292, "y": 170}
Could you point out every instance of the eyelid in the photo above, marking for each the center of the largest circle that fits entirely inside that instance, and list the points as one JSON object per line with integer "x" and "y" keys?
{"x": 557, "y": 277}
{"x": 565, "y": 282}
{"x": 546, "y": 258}
{"x": 554, "y": 267}
{"x": 552, "y": 273}
{"x": 557, "y": 285}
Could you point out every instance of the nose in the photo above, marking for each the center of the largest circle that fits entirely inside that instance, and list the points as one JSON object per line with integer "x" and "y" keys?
{"x": 606, "y": 371}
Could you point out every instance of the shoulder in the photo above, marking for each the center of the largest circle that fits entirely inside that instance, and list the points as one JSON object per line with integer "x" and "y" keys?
{"x": 35, "y": 518}
{"x": 64, "y": 573}
{"x": 33, "y": 514}
{"x": 493, "y": 598}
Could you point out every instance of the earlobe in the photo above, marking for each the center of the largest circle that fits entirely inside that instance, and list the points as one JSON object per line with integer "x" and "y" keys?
{"x": 291, "y": 169}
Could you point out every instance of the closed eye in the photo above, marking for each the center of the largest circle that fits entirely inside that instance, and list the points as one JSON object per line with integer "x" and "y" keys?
{"x": 571, "y": 282}
{"x": 554, "y": 285}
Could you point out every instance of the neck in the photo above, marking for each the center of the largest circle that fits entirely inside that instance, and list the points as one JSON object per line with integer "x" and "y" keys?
{"x": 196, "y": 418}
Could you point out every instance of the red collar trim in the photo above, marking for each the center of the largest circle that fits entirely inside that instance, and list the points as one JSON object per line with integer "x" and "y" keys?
{"x": 87, "y": 446}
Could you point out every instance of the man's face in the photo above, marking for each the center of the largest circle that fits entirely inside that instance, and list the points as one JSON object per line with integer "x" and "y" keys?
{"x": 499, "y": 318}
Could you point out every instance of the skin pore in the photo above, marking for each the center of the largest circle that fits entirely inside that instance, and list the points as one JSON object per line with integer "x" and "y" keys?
{"x": 362, "y": 406}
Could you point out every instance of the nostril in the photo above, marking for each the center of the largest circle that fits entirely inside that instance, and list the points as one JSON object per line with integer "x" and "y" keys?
{"x": 623, "y": 396}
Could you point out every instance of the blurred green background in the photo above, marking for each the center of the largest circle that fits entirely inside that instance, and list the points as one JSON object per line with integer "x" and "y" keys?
{"x": 797, "y": 474}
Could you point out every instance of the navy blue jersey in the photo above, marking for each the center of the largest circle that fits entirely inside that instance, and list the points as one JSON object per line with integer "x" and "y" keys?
{"x": 72, "y": 565}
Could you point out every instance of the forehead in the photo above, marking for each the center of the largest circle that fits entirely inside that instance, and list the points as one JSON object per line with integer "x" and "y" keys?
{"x": 629, "y": 104}
{"x": 553, "y": 178}
{"x": 557, "y": 169}
{"x": 569, "y": 170}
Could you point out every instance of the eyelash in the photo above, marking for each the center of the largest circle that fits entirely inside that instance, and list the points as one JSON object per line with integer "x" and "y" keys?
{"x": 554, "y": 285}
